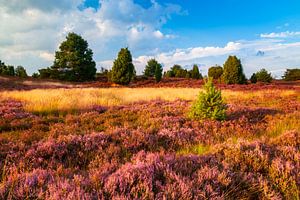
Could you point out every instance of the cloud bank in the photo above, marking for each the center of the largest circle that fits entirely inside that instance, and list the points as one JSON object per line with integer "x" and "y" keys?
{"x": 31, "y": 31}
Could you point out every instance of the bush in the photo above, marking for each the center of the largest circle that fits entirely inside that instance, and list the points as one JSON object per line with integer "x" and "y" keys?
{"x": 123, "y": 70}
{"x": 263, "y": 76}
{"x": 209, "y": 104}
{"x": 292, "y": 75}
{"x": 233, "y": 71}
{"x": 215, "y": 72}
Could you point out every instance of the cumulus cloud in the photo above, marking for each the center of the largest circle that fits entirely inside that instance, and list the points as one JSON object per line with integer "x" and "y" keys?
{"x": 31, "y": 31}
{"x": 285, "y": 34}
{"x": 44, "y": 5}
{"x": 35, "y": 26}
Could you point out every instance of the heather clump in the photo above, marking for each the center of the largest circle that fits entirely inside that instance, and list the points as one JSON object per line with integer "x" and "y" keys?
{"x": 152, "y": 150}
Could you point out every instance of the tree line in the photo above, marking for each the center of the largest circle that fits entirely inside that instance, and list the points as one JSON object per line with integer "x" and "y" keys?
{"x": 9, "y": 70}
{"x": 74, "y": 62}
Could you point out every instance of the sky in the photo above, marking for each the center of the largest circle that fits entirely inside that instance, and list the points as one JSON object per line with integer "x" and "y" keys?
{"x": 262, "y": 33}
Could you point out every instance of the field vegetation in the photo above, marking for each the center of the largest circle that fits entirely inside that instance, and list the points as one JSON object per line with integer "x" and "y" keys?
{"x": 140, "y": 143}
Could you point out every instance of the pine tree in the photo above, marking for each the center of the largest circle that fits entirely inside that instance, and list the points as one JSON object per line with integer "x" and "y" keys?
{"x": 195, "y": 74}
{"x": 209, "y": 104}
{"x": 74, "y": 60}
{"x": 233, "y": 71}
{"x": 158, "y": 72}
{"x": 123, "y": 70}
{"x": 253, "y": 78}
{"x": 150, "y": 68}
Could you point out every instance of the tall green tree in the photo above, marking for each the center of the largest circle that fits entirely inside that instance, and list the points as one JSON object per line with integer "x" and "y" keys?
{"x": 195, "y": 74}
{"x": 123, "y": 69}
{"x": 74, "y": 60}
{"x": 158, "y": 72}
{"x": 233, "y": 71}
{"x": 150, "y": 68}
{"x": 21, "y": 72}
{"x": 253, "y": 78}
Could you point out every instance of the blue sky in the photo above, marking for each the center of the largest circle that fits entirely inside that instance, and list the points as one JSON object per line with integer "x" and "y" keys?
{"x": 172, "y": 31}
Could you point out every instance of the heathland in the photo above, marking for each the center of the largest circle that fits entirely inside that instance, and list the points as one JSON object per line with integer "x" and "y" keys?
{"x": 80, "y": 141}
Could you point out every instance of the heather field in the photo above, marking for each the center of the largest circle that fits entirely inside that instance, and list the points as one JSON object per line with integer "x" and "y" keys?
{"x": 138, "y": 143}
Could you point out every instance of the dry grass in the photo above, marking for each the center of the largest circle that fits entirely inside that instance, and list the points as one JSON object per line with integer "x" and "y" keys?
{"x": 48, "y": 100}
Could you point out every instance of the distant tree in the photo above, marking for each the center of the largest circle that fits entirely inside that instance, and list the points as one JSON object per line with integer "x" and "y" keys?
{"x": 10, "y": 71}
{"x": 263, "y": 76}
{"x": 123, "y": 69}
{"x": 21, "y": 72}
{"x": 6, "y": 70}
{"x": 35, "y": 75}
{"x": 74, "y": 60}
{"x": 150, "y": 68}
{"x": 195, "y": 74}
{"x": 158, "y": 72}
{"x": 169, "y": 74}
{"x": 292, "y": 75}
{"x": 215, "y": 72}
{"x": 209, "y": 104}
{"x": 253, "y": 78}
{"x": 233, "y": 71}
{"x": 46, "y": 73}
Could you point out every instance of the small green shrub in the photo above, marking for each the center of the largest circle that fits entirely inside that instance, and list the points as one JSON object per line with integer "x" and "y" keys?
{"x": 263, "y": 76}
{"x": 209, "y": 104}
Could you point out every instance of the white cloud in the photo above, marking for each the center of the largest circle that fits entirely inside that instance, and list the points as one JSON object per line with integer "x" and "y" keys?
{"x": 31, "y": 31}
{"x": 29, "y": 27}
{"x": 285, "y": 34}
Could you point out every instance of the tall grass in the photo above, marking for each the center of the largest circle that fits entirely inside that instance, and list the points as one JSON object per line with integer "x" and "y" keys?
{"x": 48, "y": 100}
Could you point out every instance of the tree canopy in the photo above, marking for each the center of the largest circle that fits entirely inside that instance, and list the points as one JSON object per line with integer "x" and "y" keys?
{"x": 215, "y": 72}
{"x": 233, "y": 71}
{"x": 74, "y": 60}
{"x": 123, "y": 69}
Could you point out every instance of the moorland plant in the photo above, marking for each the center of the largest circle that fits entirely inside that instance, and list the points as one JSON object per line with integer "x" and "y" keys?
{"x": 149, "y": 149}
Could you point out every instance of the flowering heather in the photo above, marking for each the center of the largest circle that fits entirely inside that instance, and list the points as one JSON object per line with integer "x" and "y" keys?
{"x": 152, "y": 150}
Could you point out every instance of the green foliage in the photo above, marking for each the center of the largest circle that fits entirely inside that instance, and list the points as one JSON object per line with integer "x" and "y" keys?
{"x": 21, "y": 72}
{"x": 292, "y": 75}
{"x": 6, "y": 70}
{"x": 123, "y": 70}
{"x": 35, "y": 75}
{"x": 150, "y": 68}
{"x": 74, "y": 60}
{"x": 209, "y": 104}
{"x": 158, "y": 72}
{"x": 233, "y": 71}
{"x": 46, "y": 73}
{"x": 253, "y": 78}
{"x": 215, "y": 72}
{"x": 178, "y": 72}
{"x": 263, "y": 76}
{"x": 194, "y": 73}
